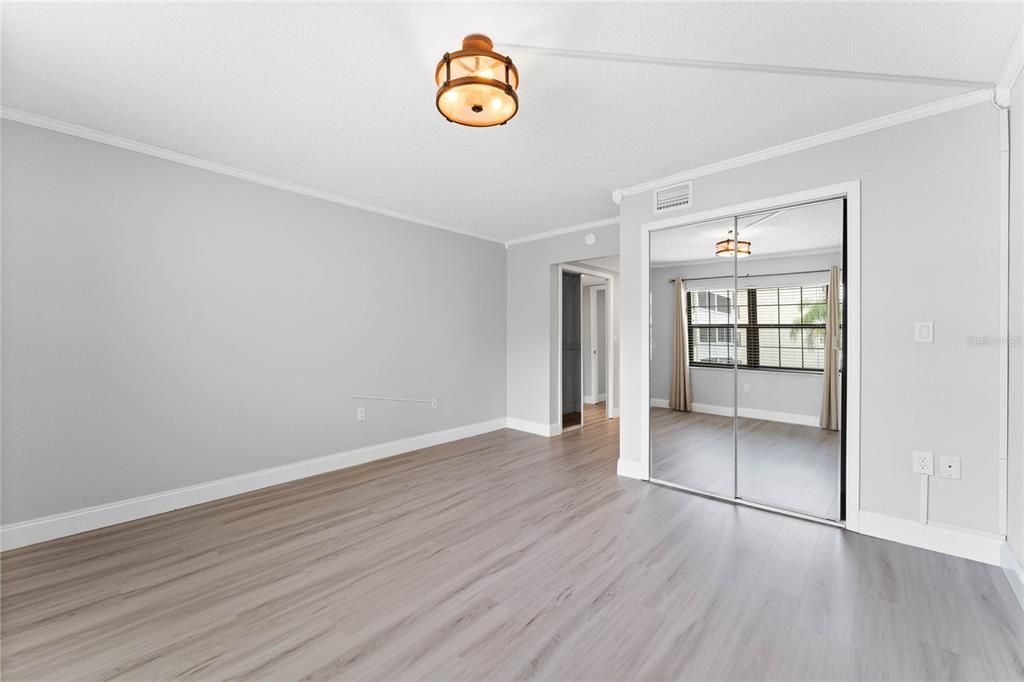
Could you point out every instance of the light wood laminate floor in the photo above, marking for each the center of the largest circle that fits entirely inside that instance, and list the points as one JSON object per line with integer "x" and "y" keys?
{"x": 782, "y": 465}
{"x": 594, "y": 413}
{"x": 506, "y": 556}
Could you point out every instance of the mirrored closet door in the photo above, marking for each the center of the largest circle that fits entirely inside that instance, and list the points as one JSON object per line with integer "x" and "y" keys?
{"x": 693, "y": 358}
{"x": 747, "y": 325}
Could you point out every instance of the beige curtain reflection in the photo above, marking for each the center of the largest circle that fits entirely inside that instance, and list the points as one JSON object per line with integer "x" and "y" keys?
{"x": 681, "y": 397}
{"x": 829, "y": 417}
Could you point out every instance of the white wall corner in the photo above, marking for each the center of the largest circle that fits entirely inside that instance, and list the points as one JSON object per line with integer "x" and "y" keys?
{"x": 91, "y": 518}
{"x": 1004, "y": 314}
{"x": 1010, "y": 71}
{"x": 628, "y": 468}
{"x": 961, "y": 542}
{"x": 1014, "y": 572}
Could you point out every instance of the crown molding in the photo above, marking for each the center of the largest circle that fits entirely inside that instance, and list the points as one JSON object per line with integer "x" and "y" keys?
{"x": 1010, "y": 71}
{"x": 897, "y": 118}
{"x": 196, "y": 162}
{"x": 604, "y": 222}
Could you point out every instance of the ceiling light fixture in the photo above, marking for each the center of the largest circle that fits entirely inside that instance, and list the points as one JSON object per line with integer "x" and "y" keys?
{"x": 727, "y": 247}
{"x": 476, "y": 85}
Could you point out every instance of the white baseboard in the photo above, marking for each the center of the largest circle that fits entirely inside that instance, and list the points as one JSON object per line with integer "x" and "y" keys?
{"x": 785, "y": 417}
{"x": 1014, "y": 572}
{"x": 536, "y": 428}
{"x": 615, "y": 412}
{"x": 961, "y": 542}
{"x": 589, "y": 400}
{"x": 629, "y": 468}
{"x": 82, "y": 520}
{"x": 749, "y": 412}
{"x": 720, "y": 410}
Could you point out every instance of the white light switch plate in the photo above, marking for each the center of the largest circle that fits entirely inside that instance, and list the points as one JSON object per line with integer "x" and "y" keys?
{"x": 924, "y": 332}
{"x": 360, "y": 414}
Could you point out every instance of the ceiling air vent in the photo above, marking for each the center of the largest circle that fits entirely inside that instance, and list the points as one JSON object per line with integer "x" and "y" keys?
{"x": 676, "y": 196}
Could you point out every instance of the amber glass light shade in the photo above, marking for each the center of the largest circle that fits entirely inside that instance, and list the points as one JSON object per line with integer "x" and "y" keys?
{"x": 476, "y": 85}
{"x": 727, "y": 247}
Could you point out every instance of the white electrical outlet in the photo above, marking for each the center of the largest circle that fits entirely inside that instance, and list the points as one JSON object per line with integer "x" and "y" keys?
{"x": 360, "y": 414}
{"x": 922, "y": 462}
{"x": 746, "y": 388}
{"x": 433, "y": 403}
{"x": 949, "y": 467}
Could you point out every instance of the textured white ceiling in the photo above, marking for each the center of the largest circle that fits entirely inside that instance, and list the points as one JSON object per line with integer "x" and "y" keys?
{"x": 813, "y": 228}
{"x": 340, "y": 98}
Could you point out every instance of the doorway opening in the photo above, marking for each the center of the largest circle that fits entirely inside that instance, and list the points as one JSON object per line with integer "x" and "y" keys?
{"x": 585, "y": 347}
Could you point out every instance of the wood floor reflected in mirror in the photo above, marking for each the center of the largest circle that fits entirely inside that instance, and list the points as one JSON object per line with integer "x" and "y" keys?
{"x": 793, "y": 466}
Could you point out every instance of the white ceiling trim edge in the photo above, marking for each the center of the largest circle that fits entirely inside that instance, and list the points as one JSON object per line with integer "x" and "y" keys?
{"x": 196, "y": 162}
{"x": 1011, "y": 70}
{"x": 604, "y": 222}
{"x": 871, "y": 125}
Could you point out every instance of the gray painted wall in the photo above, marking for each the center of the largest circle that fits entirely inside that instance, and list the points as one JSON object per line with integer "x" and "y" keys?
{"x": 533, "y": 318}
{"x": 934, "y": 181}
{"x": 1015, "y": 451}
{"x": 165, "y": 326}
{"x": 792, "y": 393}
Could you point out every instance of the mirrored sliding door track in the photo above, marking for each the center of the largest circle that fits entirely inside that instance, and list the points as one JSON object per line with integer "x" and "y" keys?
{"x": 747, "y": 503}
